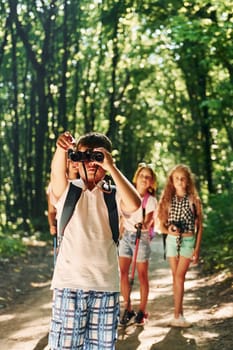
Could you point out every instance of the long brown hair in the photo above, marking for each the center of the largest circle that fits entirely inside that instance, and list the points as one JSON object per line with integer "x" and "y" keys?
{"x": 169, "y": 191}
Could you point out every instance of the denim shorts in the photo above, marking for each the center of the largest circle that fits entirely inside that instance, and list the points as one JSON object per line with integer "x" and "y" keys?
{"x": 84, "y": 320}
{"x": 127, "y": 246}
{"x": 186, "y": 248}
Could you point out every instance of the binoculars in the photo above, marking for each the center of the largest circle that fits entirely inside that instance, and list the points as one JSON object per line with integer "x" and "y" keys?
{"x": 179, "y": 225}
{"x": 87, "y": 156}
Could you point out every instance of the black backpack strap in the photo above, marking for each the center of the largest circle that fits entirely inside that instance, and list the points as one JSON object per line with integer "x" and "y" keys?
{"x": 72, "y": 197}
{"x": 110, "y": 201}
{"x": 164, "y": 245}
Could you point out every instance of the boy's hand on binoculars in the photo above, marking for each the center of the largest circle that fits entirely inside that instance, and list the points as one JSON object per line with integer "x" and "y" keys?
{"x": 66, "y": 141}
{"x": 107, "y": 161}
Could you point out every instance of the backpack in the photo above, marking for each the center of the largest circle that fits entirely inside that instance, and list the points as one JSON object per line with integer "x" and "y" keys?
{"x": 71, "y": 200}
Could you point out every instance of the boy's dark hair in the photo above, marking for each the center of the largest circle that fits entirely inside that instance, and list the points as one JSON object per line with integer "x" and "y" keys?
{"x": 93, "y": 140}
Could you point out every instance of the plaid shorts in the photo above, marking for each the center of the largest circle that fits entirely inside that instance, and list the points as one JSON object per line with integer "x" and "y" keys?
{"x": 84, "y": 320}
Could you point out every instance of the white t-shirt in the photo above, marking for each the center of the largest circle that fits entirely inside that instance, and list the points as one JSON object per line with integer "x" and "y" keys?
{"x": 87, "y": 256}
{"x": 137, "y": 216}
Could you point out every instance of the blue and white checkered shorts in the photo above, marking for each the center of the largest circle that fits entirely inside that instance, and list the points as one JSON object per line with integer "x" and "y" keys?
{"x": 84, "y": 320}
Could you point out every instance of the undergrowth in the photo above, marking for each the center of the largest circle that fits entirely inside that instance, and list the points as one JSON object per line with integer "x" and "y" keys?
{"x": 217, "y": 241}
{"x": 10, "y": 246}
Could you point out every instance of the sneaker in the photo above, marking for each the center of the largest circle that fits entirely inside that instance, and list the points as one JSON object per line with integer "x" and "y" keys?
{"x": 127, "y": 316}
{"x": 140, "y": 318}
{"x": 180, "y": 322}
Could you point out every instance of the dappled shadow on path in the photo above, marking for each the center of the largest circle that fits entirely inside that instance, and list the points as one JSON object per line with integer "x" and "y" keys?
{"x": 128, "y": 338}
{"x": 23, "y": 323}
{"x": 42, "y": 343}
{"x": 174, "y": 340}
{"x": 208, "y": 306}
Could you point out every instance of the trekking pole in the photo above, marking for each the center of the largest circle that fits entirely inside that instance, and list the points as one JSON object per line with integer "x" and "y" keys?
{"x": 137, "y": 241}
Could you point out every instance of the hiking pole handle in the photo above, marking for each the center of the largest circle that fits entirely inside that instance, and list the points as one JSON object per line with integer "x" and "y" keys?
{"x": 139, "y": 230}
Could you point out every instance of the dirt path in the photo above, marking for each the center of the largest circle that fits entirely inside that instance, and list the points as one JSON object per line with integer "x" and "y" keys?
{"x": 25, "y": 299}
{"x": 208, "y": 304}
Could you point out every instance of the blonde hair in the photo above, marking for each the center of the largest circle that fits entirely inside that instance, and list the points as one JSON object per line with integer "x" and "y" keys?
{"x": 142, "y": 166}
{"x": 169, "y": 191}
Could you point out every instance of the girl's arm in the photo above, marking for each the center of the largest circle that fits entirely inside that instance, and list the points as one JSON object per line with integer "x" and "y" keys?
{"x": 149, "y": 220}
{"x": 198, "y": 233}
{"x": 162, "y": 217}
{"x": 52, "y": 218}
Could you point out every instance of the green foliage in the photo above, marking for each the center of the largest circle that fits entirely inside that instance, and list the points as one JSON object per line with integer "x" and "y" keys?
{"x": 11, "y": 246}
{"x": 217, "y": 243}
{"x": 156, "y": 77}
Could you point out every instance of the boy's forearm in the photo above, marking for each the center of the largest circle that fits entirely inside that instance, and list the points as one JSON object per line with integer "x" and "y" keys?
{"x": 58, "y": 172}
{"x": 129, "y": 196}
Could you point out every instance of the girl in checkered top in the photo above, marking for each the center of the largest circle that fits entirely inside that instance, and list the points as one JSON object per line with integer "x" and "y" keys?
{"x": 180, "y": 217}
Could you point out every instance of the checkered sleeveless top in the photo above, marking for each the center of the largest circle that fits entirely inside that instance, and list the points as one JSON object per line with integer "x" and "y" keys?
{"x": 181, "y": 211}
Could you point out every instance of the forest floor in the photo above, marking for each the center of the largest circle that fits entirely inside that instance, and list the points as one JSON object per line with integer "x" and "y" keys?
{"x": 25, "y": 306}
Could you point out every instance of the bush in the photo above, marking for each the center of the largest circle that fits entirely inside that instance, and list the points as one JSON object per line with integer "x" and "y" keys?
{"x": 217, "y": 240}
{"x": 11, "y": 246}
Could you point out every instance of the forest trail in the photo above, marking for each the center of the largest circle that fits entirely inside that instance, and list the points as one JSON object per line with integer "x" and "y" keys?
{"x": 208, "y": 304}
